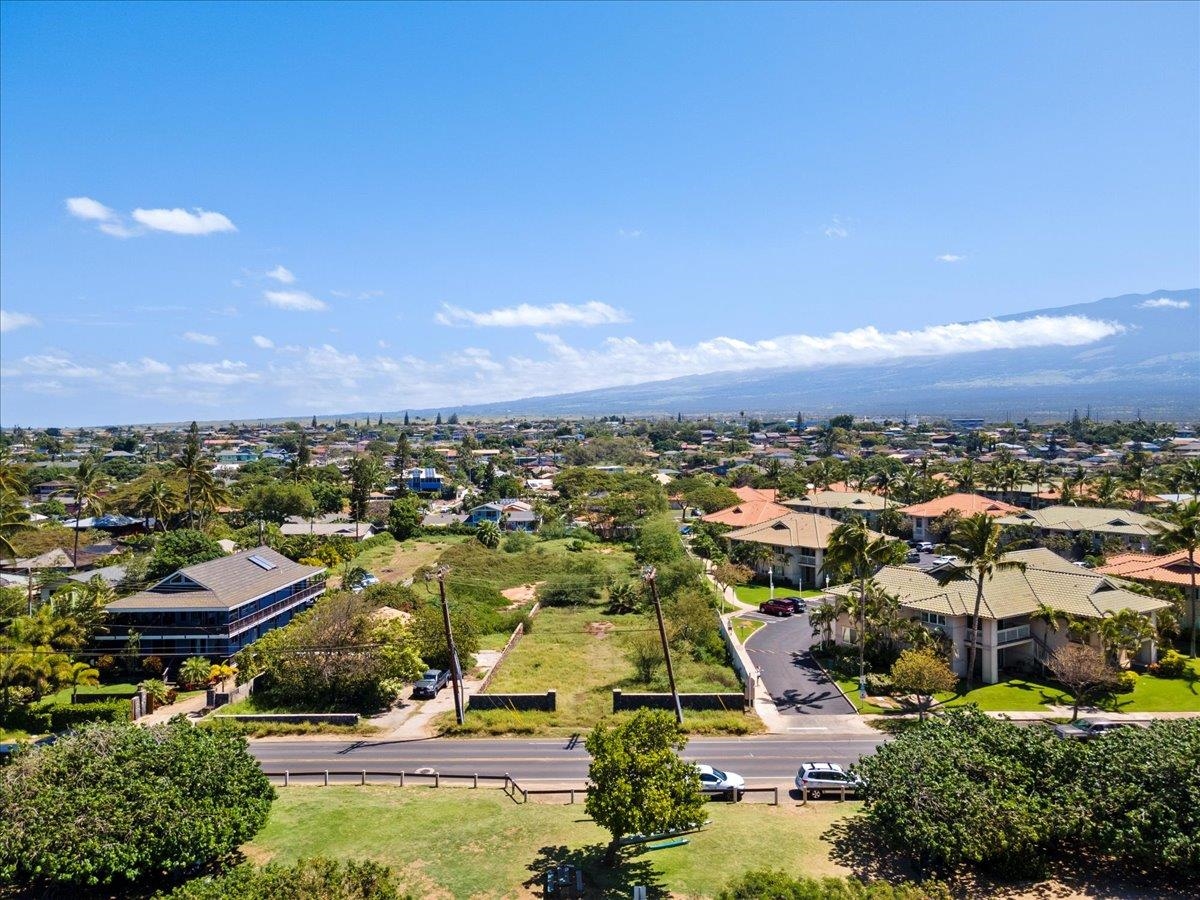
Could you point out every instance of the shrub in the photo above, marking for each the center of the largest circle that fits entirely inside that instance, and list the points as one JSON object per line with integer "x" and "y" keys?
{"x": 879, "y": 685}
{"x": 765, "y": 884}
{"x": 1171, "y": 664}
{"x": 1126, "y": 682}
{"x": 567, "y": 590}
{"x": 308, "y": 878}
{"x": 153, "y": 665}
{"x": 517, "y": 542}
{"x": 65, "y": 717}
{"x": 117, "y": 804}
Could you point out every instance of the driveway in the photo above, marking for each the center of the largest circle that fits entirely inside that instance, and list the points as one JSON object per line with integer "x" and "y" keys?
{"x": 780, "y": 650}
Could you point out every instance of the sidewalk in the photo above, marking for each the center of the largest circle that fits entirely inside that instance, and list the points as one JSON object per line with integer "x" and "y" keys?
{"x": 414, "y": 719}
{"x": 188, "y": 707}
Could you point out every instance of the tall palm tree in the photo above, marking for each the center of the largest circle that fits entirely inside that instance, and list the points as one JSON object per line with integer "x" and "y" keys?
{"x": 86, "y": 488}
{"x": 193, "y": 466}
{"x": 1124, "y": 631}
{"x": 888, "y": 480}
{"x": 158, "y": 501}
{"x": 12, "y": 474}
{"x": 1136, "y": 475}
{"x": 1039, "y": 473}
{"x": 209, "y": 494}
{"x": 966, "y": 476}
{"x": 13, "y": 518}
{"x": 1183, "y": 533}
{"x": 976, "y": 540}
{"x": 80, "y": 673}
{"x": 859, "y": 552}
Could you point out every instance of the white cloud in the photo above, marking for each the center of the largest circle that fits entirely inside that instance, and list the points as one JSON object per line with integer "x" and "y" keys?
{"x": 836, "y": 229}
{"x": 630, "y": 232}
{"x": 282, "y": 275}
{"x": 263, "y": 343}
{"x": 950, "y": 258}
{"x": 1164, "y": 303}
{"x": 89, "y": 209}
{"x": 180, "y": 221}
{"x": 53, "y": 364}
{"x": 299, "y": 301}
{"x": 223, "y": 372}
{"x": 144, "y": 366}
{"x": 197, "y": 338}
{"x": 11, "y": 321}
{"x": 528, "y": 316}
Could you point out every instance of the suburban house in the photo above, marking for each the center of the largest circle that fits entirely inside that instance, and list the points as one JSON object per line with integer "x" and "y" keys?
{"x": 747, "y": 513}
{"x": 213, "y": 608}
{"x": 923, "y": 515}
{"x": 1135, "y": 531}
{"x": 798, "y": 540}
{"x": 348, "y": 530}
{"x": 749, "y": 494}
{"x": 1009, "y": 639}
{"x": 1171, "y": 569}
{"x": 423, "y": 480}
{"x": 510, "y": 515}
{"x": 841, "y": 505}
{"x": 236, "y": 457}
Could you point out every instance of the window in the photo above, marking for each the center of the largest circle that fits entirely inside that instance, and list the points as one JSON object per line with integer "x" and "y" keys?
{"x": 262, "y": 562}
{"x": 933, "y": 618}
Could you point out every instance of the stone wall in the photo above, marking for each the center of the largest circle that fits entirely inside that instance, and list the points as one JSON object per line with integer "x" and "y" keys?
{"x": 547, "y": 702}
{"x": 723, "y": 701}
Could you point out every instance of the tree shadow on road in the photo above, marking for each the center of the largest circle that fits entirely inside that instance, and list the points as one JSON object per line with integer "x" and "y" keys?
{"x": 634, "y": 868}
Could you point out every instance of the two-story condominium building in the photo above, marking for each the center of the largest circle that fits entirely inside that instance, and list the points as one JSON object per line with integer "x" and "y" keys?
{"x": 923, "y": 515}
{"x": 1010, "y": 637}
{"x": 213, "y": 608}
{"x": 425, "y": 479}
{"x": 798, "y": 541}
{"x": 1133, "y": 530}
{"x": 841, "y": 505}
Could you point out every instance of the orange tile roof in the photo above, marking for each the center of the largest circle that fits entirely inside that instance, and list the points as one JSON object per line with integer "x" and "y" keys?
{"x": 1170, "y": 568}
{"x": 965, "y": 504}
{"x": 753, "y": 512}
{"x": 749, "y": 494}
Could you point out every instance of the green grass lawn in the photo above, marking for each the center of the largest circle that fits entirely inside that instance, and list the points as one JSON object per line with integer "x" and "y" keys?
{"x": 1162, "y": 694}
{"x": 126, "y": 688}
{"x": 580, "y": 653}
{"x": 743, "y": 628}
{"x": 457, "y": 842}
{"x": 758, "y": 593}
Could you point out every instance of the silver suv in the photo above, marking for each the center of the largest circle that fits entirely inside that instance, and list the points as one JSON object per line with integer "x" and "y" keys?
{"x": 820, "y": 778}
{"x": 1087, "y": 729}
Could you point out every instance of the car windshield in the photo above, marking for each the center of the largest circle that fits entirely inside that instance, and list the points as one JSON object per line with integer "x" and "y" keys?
{"x": 1084, "y": 723}
{"x": 718, "y": 774}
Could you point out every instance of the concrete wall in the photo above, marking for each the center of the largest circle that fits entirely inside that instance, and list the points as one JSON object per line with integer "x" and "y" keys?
{"x": 738, "y": 657}
{"x": 217, "y": 698}
{"x": 518, "y": 632}
{"x": 293, "y": 718}
{"x": 730, "y": 702}
{"x": 547, "y": 702}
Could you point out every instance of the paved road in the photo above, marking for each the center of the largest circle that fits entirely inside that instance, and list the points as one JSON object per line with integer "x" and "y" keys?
{"x": 794, "y": 681}
{"x": 763, "y": 758}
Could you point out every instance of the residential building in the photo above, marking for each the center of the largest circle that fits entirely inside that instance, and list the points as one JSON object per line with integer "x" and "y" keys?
{"x": 1169, "y": 569}
{"x": 923, "y": 515}
{"x": 841, "y": 505}
{"x": 1135, "y": 531}
{"x": 1009, "y": 639}
{"x": 423, "y": 480}
{"x": 213, "y": 608}
{"x": 351, "y": 531}
{"x": 798, "y": 540}
{"x": 510, "y": 515}
{"x": 747, "y": 513}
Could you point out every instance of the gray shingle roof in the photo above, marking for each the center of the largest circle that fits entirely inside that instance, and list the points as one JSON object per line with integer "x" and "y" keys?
{"x": 222, "y": 583}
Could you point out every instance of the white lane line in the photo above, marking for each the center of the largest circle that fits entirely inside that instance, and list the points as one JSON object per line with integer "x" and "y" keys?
{"x": 810, "y": 728}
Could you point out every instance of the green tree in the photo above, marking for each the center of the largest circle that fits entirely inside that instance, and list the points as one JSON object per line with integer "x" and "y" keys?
{"x": 90, "y": 809}
{"x": 404, "y": 517}
{"x": 365, "y": 476}
{"x": 158, "y": 501}
{"x": 1183, "y": 534}
{"x": 87, "y": 490}
{"x": 194, "y": 671}
{"x": 278, "y": 502}
{"x": 922, "y": 673}
{"x": 13, "y": 518}
{"x": 307, "y": 879}
{"x": 639, "y": 783}
{"x": 856, "y": 552}
{"x": 177, "y": 549}
{"x": 192, "y": 466}
{"x": 976, "y": 539}
{"x": 488, "y": 534}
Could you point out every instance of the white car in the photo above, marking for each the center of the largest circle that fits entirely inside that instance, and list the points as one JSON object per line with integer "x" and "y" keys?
{"x": 945, "y": 560}
{"x": 715, "y": 780}
{"x": 820, "y": 778}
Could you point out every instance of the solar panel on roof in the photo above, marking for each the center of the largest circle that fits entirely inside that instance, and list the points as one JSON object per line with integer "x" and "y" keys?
{"x": 262, "y": 562}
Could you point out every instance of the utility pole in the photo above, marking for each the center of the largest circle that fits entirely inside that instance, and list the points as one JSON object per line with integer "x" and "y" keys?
{"x": 649, "y": 575}
{"x": 455, "y": 675}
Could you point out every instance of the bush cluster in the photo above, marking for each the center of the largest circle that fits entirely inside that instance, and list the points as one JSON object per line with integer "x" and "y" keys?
{"x": 767, "y": 884}
{"x": 304, "y": 880}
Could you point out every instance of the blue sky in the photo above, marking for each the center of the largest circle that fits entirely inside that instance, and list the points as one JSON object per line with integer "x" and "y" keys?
{"x": 482, "y": 202}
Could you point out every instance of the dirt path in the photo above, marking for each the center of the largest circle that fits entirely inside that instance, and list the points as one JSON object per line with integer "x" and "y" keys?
{"x": 409, "y": 557}
{"x": 521, "y": 594}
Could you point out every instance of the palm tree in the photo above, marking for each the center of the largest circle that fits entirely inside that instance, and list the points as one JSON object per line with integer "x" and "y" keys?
{"x": 1107, "y": 490}
{"x": 976, "y": 540}
{"x": 195, "y": 670}
{"x": 13, "y": 518}
{"x": 80, "y": 673}
{"x": 488, "y": 534}
{"x": 825, "y": 616}
{"x": 12, "y": 475}
{"x": 158, "y": 502}
{"x": 193, "y": 466}
{"x": 966, "y": 477}
{"x": 859, "y": 552}
{"x": 888, "y": 480}
{"x": 1184, "y": 534}
{"x": 1039, "y": 474}
{"x": 210, "y": 494}
{"x": 1124, "y": 632}
{"x": 1135, "y": 474}
{"x": 87, "y": 485}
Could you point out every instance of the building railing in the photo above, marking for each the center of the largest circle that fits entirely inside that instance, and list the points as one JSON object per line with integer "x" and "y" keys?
{"x": 1005, "y": 635}
{"x": 275, "y": 608}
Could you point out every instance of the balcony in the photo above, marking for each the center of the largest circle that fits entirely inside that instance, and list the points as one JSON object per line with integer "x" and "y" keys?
{"x": 1005, "y": 636}
{"x": 275, "y": 608}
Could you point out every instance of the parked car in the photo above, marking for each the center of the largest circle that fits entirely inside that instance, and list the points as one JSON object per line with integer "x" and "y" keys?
{"x": 430, "y": 683}
{"x": 820, "y": 778}
{"x": 363, "y": 582}
{"x": 775, "y": 607}
{"x": 715, "y": 780}
{"x": 925, "y": 547}
{"x": 945, "y": 560}
{"x": 1087, "y": 729}
{"x": 798, "y": 604}
{"x": 912, "y": 556}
